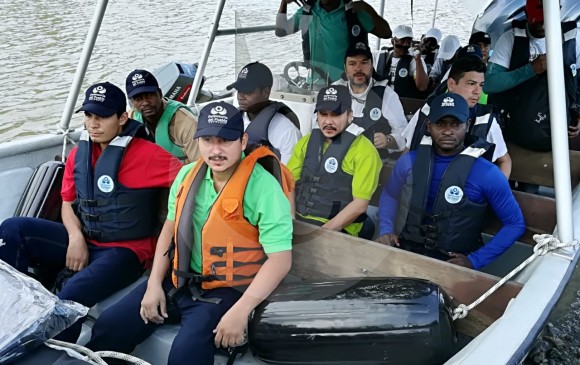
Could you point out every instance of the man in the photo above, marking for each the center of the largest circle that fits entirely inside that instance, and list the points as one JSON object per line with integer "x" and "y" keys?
{"x": 517, "y": 81}
{"x": 328, "y": 27}
{"x": 110, "y": 209}
{"x": 223, "y": 206}
{"x": 376, "y": 107}
{"x": 406, "y": 73}
{"x": 266, "y": 122}
{"x": 436, "y": 200}
{"x": 449, "y": 46}
{"x": 172, "y": 123}
{"x": 429, "y": 46}
{"x": 466, "y": 78}
{"x": 483, "y": 40}
{"x": 335, "y": 167}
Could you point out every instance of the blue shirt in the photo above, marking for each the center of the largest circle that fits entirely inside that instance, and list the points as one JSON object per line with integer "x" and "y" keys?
{"x": 485, "y": 183}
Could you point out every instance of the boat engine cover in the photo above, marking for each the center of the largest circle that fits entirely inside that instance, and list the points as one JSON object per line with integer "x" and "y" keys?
{"x": 175, "y": 80}
{"x": 354, "y": 321}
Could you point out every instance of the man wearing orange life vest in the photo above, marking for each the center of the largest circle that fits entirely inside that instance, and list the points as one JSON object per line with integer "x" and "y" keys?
{"x": 226, "y": 205}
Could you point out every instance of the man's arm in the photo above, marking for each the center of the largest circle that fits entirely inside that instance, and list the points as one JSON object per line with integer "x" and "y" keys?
{"x": 499, "y": 78}
{"x": 285, "y": 26}
{"x": 389, "y": 199}
{"x": 421, "y": 77}
{"x": 348, "y": 215}
{"x": 505, "y": 164}
{"x": 77, "y": 253}
{"x": 185, "y": 127}
{"x": 381, "y": 28}
{"x": 393, "y": 111}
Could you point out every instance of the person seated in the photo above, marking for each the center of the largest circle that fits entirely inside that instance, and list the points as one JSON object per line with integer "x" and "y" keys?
{"x": 483, "y": 40}
{"x": 466, "y": 78}
{"x": 405, "y": 73}
{"x": 269, "y": 123}
{"x": 110, "y": 211}
{"x": 336, "y": 168}
{"x": 328, "y": 27}
{"x": 449, "y": 46}
{"x": 429, "y": 47}
{"x": 171, "y": 122}
{"x": 436, "y": 200}
{"x": 225, "y": 205}
{"x": 376, "y": 107}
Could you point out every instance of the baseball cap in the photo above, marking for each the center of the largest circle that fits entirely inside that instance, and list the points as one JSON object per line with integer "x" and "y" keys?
{"x": 359, "y": 48}
{"x": 253, "y": 76}
{"x": 471, "y": 50}
{"x": 480, "y": 37}
{"x": 140, "y": 81}
{"x": 402, "y": 31}
{"x": 220, "y": 119}
{"x": 449, "y": 105}
{"x": 334, "y": 98}
{"x": 534, "y": 11}
{"x": 449, "y": 46}
{"x": 104, "y": 99}
{"x": 434, "y": 33}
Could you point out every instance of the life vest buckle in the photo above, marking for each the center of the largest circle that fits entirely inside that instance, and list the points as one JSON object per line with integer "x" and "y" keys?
{"x": 430, "y": 243}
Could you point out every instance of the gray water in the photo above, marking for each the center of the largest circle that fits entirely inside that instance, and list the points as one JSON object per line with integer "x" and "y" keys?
{"x": 40, "y": 44}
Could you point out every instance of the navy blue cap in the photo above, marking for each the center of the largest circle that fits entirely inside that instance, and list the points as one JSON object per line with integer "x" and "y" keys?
{"x": 140, "y": 81}
{"x": 449, "y": 105}
{"x": 480, "y": 37}
{"x": 104, "y": 99}
{"x": 220, "y": 120}
{"x": 253, "y": 76}
{"x": 358, "y": 48}
{"x": 335, "y": 98}
{"x": 471, "y": 50}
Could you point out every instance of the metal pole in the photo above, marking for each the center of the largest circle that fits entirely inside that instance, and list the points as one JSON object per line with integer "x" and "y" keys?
{"x": 206, "y": 51}
{"x": 558, "y": 113}
{"x": 382, "y": 14}
{"x": 83, "y": 64}
{"x": 435, "y": 13}
{"x": 247, "y": 30}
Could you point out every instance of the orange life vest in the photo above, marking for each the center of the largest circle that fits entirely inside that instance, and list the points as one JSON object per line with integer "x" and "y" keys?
{"x": 231, "y": 252}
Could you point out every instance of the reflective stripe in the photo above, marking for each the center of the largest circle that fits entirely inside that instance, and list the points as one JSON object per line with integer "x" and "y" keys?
{"x": 85, "y": 135}
{"x": 571, "y": 34}
{"x": 426, "y": 140}
{"x": 354, "y": 129}
{"x": 519, "y": 32}
{"x": 426, "y": 109}
{"x": 483, "y": 119}
{"x": 473, "y": 152}
{"x": 121, "y": 141}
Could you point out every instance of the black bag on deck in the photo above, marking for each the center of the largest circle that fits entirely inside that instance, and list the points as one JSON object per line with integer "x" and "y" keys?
{"x": 354, "y": 321}
{"x": 41, "y": 198}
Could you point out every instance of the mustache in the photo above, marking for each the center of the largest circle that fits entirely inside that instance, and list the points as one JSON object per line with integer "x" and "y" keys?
{"x": 329, "y": 128}
{"x": 401, "y": 46}
{"x": 217, "y": 158}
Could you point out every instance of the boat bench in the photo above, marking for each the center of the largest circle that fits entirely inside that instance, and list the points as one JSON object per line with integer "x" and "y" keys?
{"x": 410, "y": 106}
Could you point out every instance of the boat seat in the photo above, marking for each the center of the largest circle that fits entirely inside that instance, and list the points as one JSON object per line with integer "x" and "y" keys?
{"x": 410, "y": 106}
{"x": 16, "y": 179}
{"x": 537, "y": 167}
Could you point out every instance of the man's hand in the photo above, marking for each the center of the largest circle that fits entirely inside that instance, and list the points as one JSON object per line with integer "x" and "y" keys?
{"x": 231, "y": 329}
{"x": 540, "y": 65}
{"x": 388, "y": 239}
{"x": 153, "y": 305}
{"x": 380, "y": 140}
{"x": 574, "y": 131}
{"x": 77, "y": 253}
{"x": 459, "y": 259}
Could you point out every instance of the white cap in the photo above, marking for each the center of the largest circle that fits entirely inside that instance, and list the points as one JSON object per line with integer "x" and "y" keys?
{"x": 434, "y": 33}
{"x": 449, "y": 45}
{"x": 403, "y": 31}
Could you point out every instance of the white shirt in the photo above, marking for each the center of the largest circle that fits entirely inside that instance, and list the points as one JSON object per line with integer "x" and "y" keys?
{"x": 493, "y": 136}
{"x": 394, "y": 62}
{"x": 502, "y": 51}
{"x": 282, "y": 134}
{"x": 392, "y": 109}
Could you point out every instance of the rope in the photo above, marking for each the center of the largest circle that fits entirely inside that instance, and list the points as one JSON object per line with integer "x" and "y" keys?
{"x": 545, "y": 244}
{"x": 95, "y": 358}
{"x": 65, "y": 139}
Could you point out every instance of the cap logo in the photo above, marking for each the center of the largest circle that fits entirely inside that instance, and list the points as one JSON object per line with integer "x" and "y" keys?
{"x": 448, "y": 101}
{"x": 218, "y": 110}
{"x": 98, "y": 94}
{"x": 330, "y": 94}
{"x": 218, "y": 115}
{"x": 360, "y": 45}
{"x": 453, "y": 194}
{"x": 355, "y": 30}
{"x": 244, "y": 73}
{"x": 331, "y": 91}
{"x": 137, "y": 80}
{"x": 99, "y": 90}
{"x": 470, "y": 49}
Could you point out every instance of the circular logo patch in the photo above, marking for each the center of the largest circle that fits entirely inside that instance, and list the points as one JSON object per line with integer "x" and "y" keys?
{"x": 403, "y": 72}
{"x": 105, "y": 184}
{"x": 355, "y": 30}
{"x": 453, "y": 194}
{"x": 573, "y": 68}
{"x": 331, "y": 165}
{"x": 375, "y": 114}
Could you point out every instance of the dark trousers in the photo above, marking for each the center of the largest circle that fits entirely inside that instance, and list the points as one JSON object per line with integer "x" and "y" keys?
{"x": 32, "y": 241}
{"x": 120, "y": 327}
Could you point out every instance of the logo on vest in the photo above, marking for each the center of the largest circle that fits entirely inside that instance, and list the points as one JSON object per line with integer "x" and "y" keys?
{"x": 448, "y": 102}
{"x": 355, "y": 30}
{"x": 331, "y": 165}
{"x": 453, "y": 194}
{"x": 375, "y": 114}
{"x": 137, "y": 80}
{"x": 218, "y": 115}
{"x": 105, "y": 184}
{"x": 541, "y": 117}
{"x": 403, "y": 72}
{"x": 573, "y": 68}
{"x": 243, "y": 74}
{"x": 98, "y": 94}
{"x": 330, "y": 94}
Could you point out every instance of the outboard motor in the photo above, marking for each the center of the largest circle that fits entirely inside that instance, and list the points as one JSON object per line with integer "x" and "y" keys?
{"x": 354, "y": 321}
{"x": 175, "y": 80}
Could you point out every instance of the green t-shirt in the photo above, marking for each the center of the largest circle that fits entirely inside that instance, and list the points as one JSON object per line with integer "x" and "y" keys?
{"x": 265, "y": 206}
{"x": 328, "y": 36}
{"x": 362, "y": 161}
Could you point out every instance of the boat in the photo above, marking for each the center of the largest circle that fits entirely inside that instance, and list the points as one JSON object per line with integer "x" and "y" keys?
{"x": 500, "y": 330}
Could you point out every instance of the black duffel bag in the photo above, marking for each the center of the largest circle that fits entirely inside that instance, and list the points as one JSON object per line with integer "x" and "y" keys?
{"x": 354, "y": 321}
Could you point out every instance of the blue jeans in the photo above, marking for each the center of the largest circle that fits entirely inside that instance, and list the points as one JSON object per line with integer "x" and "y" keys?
{"x": 120, "y": 328}
{"x": 33, "y": 241}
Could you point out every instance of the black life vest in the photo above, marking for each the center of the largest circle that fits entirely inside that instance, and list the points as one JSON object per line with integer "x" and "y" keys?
{"x": 324, "y": 189}
{"x": 526, "y": 106}
{"x": 108, "y": 210}
{"x": 402, "y": 81}
{"x": 258, "y": 128}
{"x": 373, "y": 121}
{"x": 455, "y": 223}
{"x": 356, "y": 32}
